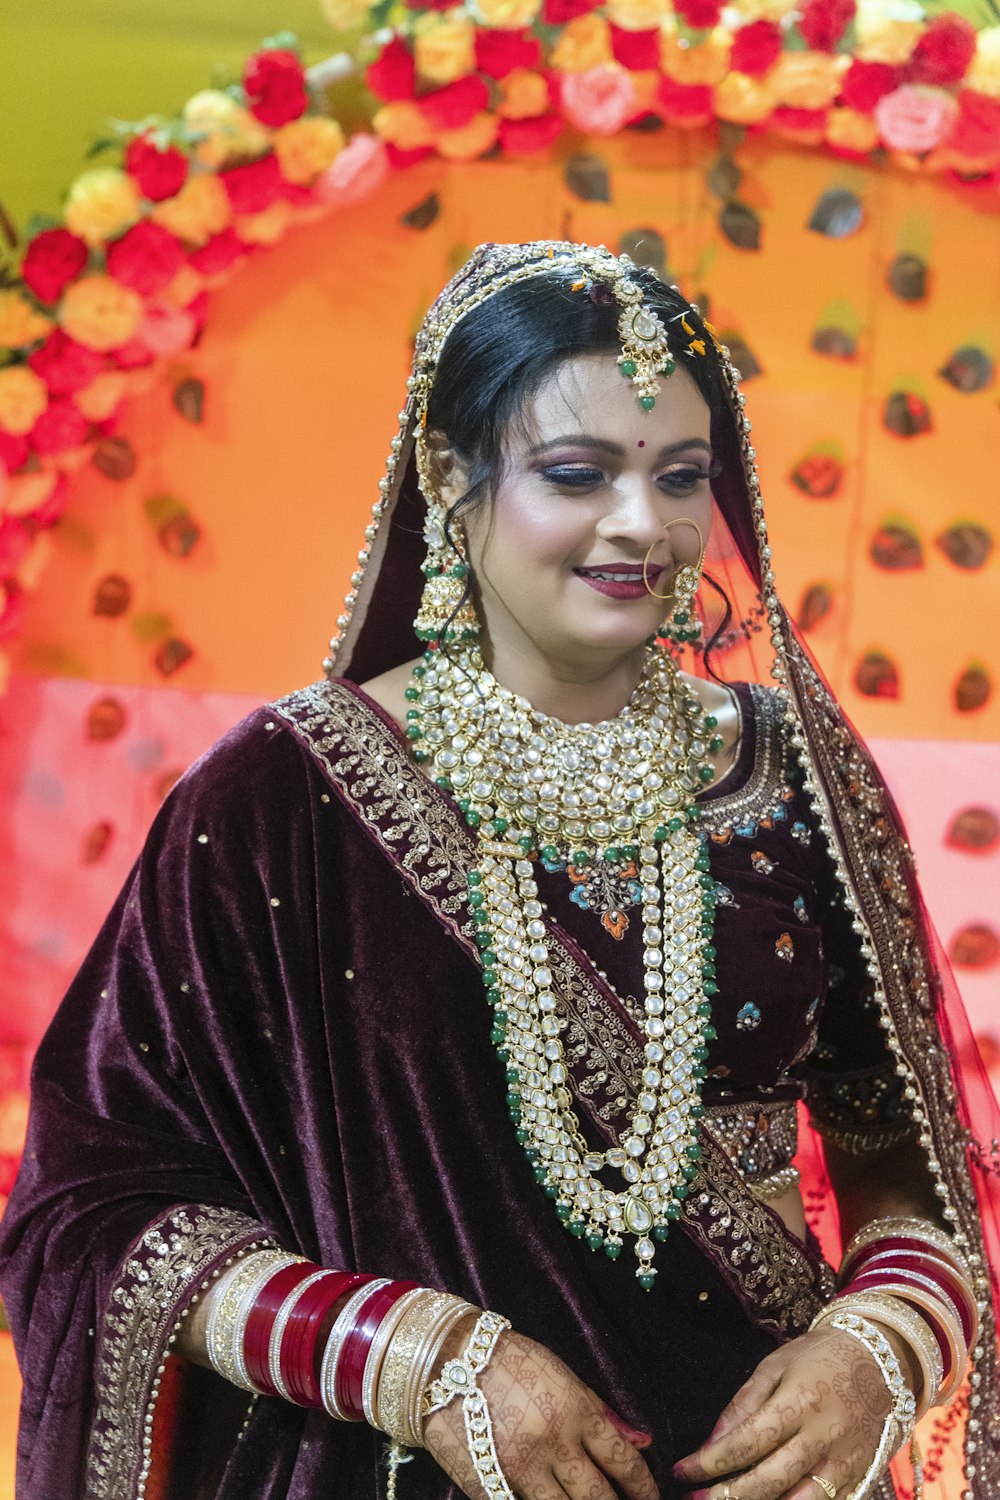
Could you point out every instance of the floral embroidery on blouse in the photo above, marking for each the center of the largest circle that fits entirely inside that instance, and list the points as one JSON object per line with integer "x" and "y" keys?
{"x": 802, "y": 832}
{"x": 606, "y": 887}
{"x": 748, "y": 1017}
{"x": 761, "y": 863}
{"x": 799, "y": 906}
{"x": 784, "y": 947}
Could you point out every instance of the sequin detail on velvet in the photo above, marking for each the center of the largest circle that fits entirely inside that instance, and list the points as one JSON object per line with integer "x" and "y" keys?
{"x": 605, "y": 887}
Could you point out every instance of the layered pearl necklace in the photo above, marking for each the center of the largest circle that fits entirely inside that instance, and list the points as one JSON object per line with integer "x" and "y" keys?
{"x": 618, "y": 791}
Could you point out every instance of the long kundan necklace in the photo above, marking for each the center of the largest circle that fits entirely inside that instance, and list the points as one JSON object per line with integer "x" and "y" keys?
{"x": 622, "y": 790}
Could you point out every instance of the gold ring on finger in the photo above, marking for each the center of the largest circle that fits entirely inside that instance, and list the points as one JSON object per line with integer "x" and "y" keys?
{"x": 826, "y": 1485}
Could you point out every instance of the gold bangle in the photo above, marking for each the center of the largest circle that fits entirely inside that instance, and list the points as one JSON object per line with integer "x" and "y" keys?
{"x": 424, "y": 1363}
{"x": 399, "y": 1358}
{"x": 377, "y": 1352}
{"x": 227, "y": 1320}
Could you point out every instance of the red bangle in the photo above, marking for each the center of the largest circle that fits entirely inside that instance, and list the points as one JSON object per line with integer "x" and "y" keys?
{"x": 354, "y": 1354}
{"x": 897, "y": 1284}
{"x": 297, "y": 1355}
{"x": 257, "y": 1334}
{"x": 906, "y": 1244}
{"x": 941, "y": 1272}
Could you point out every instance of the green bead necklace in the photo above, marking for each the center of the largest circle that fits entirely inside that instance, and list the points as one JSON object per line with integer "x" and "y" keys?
{"x": 620, "y": 790}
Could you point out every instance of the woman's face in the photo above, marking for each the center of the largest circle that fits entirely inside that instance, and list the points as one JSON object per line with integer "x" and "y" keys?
{"x": 590, "y": 485}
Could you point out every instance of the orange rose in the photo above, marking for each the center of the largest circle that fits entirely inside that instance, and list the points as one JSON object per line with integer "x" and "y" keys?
{"x": 403, "y": 125}
{"x": 226, "y": 127}
{"x": 851, "y": 130}
{"x": 807, "y": 80}
{"x": 468, "y": 141}
{"x": 523, "y": 95}
{"x": 585, "y": 43}
{"x": 101, "y": 204}
{"x": 444, "y": 50}
{"x": 267, "y": 227}
{"x": 708, "y": 62}
{"x": 29, "y": 492}
{"x": 307, "y": 147}
{"x": 98, "y": 399}
{"x": 23, "y": 398}
{"x": 743, "y": 100}
{"x": 20, "y": 323}
{"x": 200, "y": 210}
{"x": 185, "y": 286}
{"x": 99, "y": 312}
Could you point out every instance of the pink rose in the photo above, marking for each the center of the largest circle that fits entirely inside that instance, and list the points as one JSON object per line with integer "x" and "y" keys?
{"x": 166, "y": 329}
{"x": 356, "y": 173}
{"x": 599, "y": 101}
{"x": 915, "y": 118}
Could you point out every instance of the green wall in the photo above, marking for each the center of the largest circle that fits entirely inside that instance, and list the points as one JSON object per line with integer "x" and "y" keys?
{"x": 67, "y": 66}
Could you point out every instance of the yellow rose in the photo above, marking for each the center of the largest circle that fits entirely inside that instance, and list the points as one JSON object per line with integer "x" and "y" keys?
{"x": 637, "y": 15}
{"x": 185, "y": 286}
{"x": 887, "y": 30}
{"x": 228, "y": 129}
{"x": 23, "y": 398}
{"x": 807, "y": 80}
{"x": 20, "y": 323}
{"x": 444, "y": 50}
{"x": 743, "y": 100}
{"x": 98, "y": 399}
{"x": 403, "y": 125}
{"x": 851, "y": 130}
{"x": 343, "y": 15}
{"x": 101, "y": 204}
{"x": 708, "y": 62}
{"x": 199, "y": 210}
{"x": 29, "y": 576}
{"x": 99, "y": 312}
{"x": 984, "y": 74}
{"x": 505, "y": 15}
{"x": 585, "y": 43}
{"x": 523, "y": 95}
{"x": 29, "y": 491}
{"x": 468, "y": 141}
{"x": 764, "y": 10}
{"x": 267, "y": 227}
{"x": 307, "y": 147}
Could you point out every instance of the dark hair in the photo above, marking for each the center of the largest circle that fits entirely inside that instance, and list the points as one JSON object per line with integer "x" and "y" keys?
{"x": 497, "y": 357}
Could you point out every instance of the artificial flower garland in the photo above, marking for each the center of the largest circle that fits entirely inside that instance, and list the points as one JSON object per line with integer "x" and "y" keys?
{"x": 123, "y": 280}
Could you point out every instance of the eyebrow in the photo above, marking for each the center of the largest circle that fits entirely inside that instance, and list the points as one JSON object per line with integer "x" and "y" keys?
{"x": 604, "y": 445}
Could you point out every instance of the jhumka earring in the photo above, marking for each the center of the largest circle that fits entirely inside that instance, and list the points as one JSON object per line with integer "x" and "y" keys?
{"x": 446, "y": 612}
{"x": 683, "y": 626}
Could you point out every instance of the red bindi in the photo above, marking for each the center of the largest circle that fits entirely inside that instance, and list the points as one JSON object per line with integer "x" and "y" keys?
{"x": 642, "y": 442}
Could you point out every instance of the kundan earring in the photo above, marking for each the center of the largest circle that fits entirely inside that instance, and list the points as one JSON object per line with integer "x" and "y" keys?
{"x": 683, "y": 627}
{"x": 446, "y": 611}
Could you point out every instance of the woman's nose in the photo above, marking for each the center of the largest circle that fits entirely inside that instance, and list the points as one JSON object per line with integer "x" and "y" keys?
{"x": 639, "y": 516}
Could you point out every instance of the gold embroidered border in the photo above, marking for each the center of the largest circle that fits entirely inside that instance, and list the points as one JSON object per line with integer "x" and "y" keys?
{"x": 176, "y": 1257}
{"x": 761, "y": 791}
{"x": 875, "y": 866}
{"x": 420, "y": 832}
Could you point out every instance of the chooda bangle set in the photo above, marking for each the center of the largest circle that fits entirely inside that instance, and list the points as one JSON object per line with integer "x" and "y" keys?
{"x": 907, "y": 1276}
{"x": 269, "y": 1332}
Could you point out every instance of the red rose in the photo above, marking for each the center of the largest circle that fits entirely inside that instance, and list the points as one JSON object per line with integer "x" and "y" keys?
{"x": 638, "y": 50}
{"x": 560, "y": 12}
{"x": 53, "y": 259}
{"x": 521, "y": 137}
{"x": 13, "y": 450}
{"x": 808, "y": 125}
{"x": 454, "y": 105}
{"x": 500, "y": 52}
{"x": 691, "y": 102}
{"x": 393, "y": 74}
{"x": 131, "y": 356}
{"x": 700, "y": 14}
{"x": 65, "y": 365}
{"x": 275, "y": 86}
{"x": 977, "y": 129}
{"x": 399, "y": 159}
{"x": 219, "y": 253}
{"x": 15, "y": 543}
{"x": 865, "y": 83}
{"x": 823, "y": 22}
{"x": 158, "y": 174}
{"x": 944, "y": 52}
{"x": 756, "y": 48}
{"x": 51, "y": 509}
{"x": 253, "y": 187}
{"x": 429, "y": 5}
{"x": 61, "y": 426}
{"x": 11, "y": 612}
{"x": 146, "y": 258}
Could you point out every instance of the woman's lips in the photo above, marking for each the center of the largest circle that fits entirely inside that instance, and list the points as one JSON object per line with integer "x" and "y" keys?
{"x": 620, "y": 580}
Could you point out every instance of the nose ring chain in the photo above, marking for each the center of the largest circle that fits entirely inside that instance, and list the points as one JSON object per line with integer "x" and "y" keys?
{"x": 687, "y": 578}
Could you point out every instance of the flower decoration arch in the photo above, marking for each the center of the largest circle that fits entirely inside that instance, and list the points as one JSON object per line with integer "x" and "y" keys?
{"x": 124, "y": 281}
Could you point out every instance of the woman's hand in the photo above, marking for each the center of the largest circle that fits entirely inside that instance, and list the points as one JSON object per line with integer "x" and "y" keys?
{"x": 554, "y": 1438}
{"x": 816, "y": 1406}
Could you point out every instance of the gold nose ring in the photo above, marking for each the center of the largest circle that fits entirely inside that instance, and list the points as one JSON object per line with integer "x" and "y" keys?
{"x": 696, "y": 571}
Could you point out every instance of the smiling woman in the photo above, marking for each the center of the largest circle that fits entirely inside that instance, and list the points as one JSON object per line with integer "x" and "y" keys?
{"x": 565, "y": 1234}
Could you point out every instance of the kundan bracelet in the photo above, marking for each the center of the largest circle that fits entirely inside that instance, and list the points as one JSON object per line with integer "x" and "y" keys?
{"x": 459, "y": 1377}
{"x": 891, "y": 1312}
{"x": 898, "y": 1424}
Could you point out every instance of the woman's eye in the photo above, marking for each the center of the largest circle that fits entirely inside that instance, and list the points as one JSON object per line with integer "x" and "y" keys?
{"x": 573, "y": 476}
{"x": 682, "y": 478}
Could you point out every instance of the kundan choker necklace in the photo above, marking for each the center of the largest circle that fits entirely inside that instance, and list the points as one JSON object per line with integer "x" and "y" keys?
{"x": 622, "y": 790}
